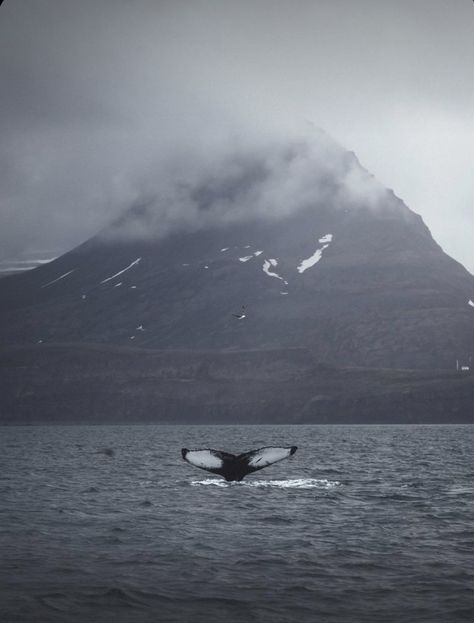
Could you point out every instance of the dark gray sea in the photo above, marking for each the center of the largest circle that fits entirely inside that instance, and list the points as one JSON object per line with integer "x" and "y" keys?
{"x": 363, "y": 523}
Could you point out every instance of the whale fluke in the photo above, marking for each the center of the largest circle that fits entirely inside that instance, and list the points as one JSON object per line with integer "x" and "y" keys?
{"x": 236, "y": 467}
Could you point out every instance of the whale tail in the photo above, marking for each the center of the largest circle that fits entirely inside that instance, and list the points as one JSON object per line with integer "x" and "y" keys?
{"x": 236, "y": 467}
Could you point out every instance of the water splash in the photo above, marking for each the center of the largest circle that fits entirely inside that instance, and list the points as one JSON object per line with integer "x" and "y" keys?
{"x": 295, "y": 483}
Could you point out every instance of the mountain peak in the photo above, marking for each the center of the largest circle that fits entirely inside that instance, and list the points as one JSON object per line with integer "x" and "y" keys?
{"x": 318, "y": 253}
{"x": 272, "y": 181}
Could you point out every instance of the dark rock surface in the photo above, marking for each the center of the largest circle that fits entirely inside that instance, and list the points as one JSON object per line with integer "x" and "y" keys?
{"x": 73, "y": 383}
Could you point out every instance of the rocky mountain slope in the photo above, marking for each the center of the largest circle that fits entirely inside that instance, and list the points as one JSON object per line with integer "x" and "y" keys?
{"x": 356, "y": 284}
{"x": 282, "y": 254}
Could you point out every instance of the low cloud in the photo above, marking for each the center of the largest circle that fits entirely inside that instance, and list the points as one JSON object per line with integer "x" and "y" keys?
{"x": 268, "y": 180}
{"x": 189, "y": 108}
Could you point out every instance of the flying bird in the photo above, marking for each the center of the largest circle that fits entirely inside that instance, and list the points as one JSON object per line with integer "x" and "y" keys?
{"x": 242, "y": 314}
{"x": 235, "y": 467}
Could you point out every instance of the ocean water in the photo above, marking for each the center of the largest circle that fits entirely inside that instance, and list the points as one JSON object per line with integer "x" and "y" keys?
{"x": 363, "y": 523}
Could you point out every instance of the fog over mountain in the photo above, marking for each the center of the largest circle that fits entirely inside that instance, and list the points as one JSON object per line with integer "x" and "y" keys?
{"x": 273, "y": 180}
{"x": 112, "y": 104}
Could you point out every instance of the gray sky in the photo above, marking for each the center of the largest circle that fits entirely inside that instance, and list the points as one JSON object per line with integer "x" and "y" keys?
{"x": 101, "y": 99}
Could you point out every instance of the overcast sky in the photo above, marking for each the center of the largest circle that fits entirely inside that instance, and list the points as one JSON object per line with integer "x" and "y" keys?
{"x": 99, "y": 96}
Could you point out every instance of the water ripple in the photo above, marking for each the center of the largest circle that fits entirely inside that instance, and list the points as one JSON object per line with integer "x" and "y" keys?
{"x": 362, "y": 525}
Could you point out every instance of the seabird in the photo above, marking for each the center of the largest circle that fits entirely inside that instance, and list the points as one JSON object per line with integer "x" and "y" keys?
{"x": 240, "y": 316}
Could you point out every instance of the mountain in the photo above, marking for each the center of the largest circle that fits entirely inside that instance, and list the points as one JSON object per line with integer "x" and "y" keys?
{"x": 316, "y": 256}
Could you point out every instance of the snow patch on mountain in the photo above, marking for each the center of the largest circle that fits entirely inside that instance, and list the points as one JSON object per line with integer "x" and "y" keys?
{"x": 50, "y": 283}
{"x": 326, "y": 238}
{"x": 266, "y": 269}
{"x": 246, "y": 258}
{"x": 317, "y": 255}
{"x": 134, "y": 263}
{"x": 470, "y": 302}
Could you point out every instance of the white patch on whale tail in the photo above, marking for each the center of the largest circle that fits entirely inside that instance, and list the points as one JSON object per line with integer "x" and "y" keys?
{"x": 266, "y": 456}
{"x": 204, "y": 459}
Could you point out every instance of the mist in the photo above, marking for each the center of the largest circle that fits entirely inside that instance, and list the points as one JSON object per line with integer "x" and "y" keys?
{"x": 269, "y": 180}
{"x": 111, "y": 104}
